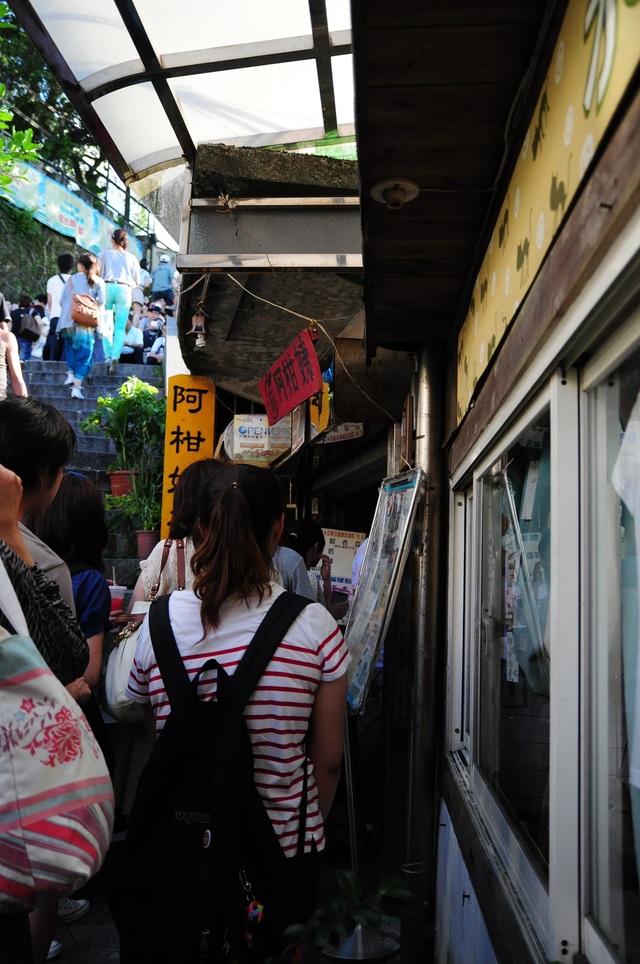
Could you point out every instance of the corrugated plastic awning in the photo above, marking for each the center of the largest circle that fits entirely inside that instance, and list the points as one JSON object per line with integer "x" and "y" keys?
{"x": 154, "y": 79}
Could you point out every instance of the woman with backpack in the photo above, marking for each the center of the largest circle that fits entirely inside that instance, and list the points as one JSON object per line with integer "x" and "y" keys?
{"x": 294, "y": 715}
{"x": 78, "y": 340}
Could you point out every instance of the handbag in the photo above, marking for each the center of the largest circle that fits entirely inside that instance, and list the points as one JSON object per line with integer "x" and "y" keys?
{"x": 116, "y": 678}
{"x": 84, "y": 310}
{"x": 29, "y": 328}
{"x": 56, "y": 798}
{"x": 105, "y": 324}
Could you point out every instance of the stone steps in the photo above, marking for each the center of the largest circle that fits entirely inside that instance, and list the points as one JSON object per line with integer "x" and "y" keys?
{"x": 94, "y": 453}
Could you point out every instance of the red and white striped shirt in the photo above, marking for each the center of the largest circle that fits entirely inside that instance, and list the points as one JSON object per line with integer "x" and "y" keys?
{"x": 312, "y": 651}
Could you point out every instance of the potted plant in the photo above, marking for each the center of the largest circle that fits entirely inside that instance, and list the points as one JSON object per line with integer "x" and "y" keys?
{"x": 141, "y": 509}
{"x": 134, "y": 419}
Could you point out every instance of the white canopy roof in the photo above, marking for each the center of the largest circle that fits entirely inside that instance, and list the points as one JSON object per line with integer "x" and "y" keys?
{"x": 154, "y": 79}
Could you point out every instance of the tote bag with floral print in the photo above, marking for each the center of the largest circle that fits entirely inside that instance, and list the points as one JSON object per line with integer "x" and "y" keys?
{"x": 56, "y": 798}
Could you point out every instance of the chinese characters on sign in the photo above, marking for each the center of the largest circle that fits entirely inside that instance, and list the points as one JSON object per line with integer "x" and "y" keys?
{"x": 189, "y": 433}
{"x": 341, "y": 548}
{"x": 295, "y": 376}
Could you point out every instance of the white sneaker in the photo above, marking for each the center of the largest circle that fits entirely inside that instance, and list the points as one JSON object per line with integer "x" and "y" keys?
{"x": 76, "y": 392}
{"x": 55, "y": 950}
{"x": 70, "y": 909}
{"x": 69, "y": 379}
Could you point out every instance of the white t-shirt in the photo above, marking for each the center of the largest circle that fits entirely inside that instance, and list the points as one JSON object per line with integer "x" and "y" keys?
{"x": 55, "y": 287}
{"x": 132, "y": 339}
{"x": 119, "y": 266}
{"x": 312, "y": 651}
{"x": 158, "y": 346}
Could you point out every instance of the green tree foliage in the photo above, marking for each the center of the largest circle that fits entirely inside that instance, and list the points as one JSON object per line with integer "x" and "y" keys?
{"x": 16, "y": 143}
{"x": 37, "y": 102}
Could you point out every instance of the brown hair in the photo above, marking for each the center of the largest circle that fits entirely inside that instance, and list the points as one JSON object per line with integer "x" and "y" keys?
{"x": 186, "y": 497}
{"x": 238, "y": 509}
{"x": 74, "y": 525}
{"x": 90, "y": 265}
{"x": 120, "y": 238}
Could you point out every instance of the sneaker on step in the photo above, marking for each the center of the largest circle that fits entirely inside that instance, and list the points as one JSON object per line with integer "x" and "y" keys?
{"x": 55, "y": 950}
{"x": 69, "y": 379}
{"x": 76, "y": 392}
{"x": 70, "y": 909}
{"x": 113, "y": 366}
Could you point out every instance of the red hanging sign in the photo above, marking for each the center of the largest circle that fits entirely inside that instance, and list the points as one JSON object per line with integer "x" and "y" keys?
{"x": 295, "y": 376}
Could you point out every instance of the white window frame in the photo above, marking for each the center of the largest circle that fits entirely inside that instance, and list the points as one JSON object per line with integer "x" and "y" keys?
{"x": 552, "y": 910}
{"x": 624, "y": 341}
{"x": 459, "y": 668}
{"x": 558, "y": 916}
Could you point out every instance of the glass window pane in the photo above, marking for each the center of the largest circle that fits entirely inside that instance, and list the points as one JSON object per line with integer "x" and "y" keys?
{"x": 614, "y": 412}
{"x": 514, "y": 645}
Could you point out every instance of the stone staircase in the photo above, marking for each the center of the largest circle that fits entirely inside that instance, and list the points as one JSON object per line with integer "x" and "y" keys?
{"x": 94, "y": 453}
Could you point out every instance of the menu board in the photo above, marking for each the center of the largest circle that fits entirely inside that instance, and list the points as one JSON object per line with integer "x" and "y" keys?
{"x": 385, "y": 556}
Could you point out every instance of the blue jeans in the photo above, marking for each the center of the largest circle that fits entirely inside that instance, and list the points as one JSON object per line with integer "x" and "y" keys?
{"x": 24, "y": 348}
{"x": 118, "y": 298}
{"x": 79, "y": 348}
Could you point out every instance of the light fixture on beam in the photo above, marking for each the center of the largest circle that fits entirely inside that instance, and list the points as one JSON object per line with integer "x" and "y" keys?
{"x": 394, "y": 192}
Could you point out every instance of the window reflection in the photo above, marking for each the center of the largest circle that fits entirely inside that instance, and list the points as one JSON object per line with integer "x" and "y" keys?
{"x": 615, "y": 670}
{"x": 515, "y": 657}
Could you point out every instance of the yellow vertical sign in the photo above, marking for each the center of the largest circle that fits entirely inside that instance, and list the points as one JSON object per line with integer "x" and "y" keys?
{"x": 189, "y": 436}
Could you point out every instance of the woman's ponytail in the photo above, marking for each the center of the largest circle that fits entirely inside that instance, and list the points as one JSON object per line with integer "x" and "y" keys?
{"x": 239, "y": 507}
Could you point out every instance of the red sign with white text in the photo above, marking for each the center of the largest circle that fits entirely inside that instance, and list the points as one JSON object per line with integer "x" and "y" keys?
{"x": 295, "y": 376}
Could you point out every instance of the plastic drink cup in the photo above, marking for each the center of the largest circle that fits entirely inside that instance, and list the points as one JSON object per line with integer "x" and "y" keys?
{"x": 117, "y": 597}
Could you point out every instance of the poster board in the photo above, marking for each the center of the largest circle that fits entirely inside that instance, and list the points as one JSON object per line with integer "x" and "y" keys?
{"x": 377, "y": 589}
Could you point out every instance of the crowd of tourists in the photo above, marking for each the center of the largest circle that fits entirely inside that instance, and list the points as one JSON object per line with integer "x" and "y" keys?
{"x": 132, "y": 304}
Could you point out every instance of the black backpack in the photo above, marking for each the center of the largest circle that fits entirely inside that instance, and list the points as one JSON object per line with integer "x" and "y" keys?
{"x": 202, "y": 855}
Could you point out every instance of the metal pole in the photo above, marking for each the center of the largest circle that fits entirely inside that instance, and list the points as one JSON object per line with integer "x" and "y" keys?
{"x": 365, "y": 943}
{"x": 419, "y": 863}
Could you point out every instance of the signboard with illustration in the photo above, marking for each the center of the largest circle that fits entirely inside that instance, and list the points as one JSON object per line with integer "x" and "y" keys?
{"x": 595, "y": 58}
{"x": 382, "y": 566}
{"x": 251, "y": 440}
{"x": 341, "y": 547}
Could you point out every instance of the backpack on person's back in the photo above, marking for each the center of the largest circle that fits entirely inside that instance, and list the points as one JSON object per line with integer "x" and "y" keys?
{"x": 203, "y": 858}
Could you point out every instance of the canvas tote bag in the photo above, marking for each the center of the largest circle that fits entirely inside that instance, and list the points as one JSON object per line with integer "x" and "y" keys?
{"x": 56, "y": 798}
{"x": 116, "y": 677}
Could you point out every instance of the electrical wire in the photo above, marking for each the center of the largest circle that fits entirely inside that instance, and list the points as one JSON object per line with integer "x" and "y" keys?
{"x": 315, "y": 324}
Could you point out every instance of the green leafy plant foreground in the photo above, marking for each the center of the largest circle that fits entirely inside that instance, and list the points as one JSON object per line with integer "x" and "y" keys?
{"x": 330, "y": 925}
{"x": 134, "y": 419}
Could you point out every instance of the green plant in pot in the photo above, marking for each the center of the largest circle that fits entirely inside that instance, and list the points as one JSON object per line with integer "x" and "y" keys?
{"x": 134, "y": 420}
{"x": 140, "y": 509}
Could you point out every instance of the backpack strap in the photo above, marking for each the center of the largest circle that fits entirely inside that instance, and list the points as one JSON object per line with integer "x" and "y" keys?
{"x": 268, "y": 637}
{"x": 172, "y": 669}
{"x": 257, "y": 656}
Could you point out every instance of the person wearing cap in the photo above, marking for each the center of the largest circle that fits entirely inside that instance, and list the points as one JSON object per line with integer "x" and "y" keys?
{"x": 156, "y": 353}
{"x": 121, "y": 274}
{"x": 155, "y": 316}
{"x": 163, "y": 281}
